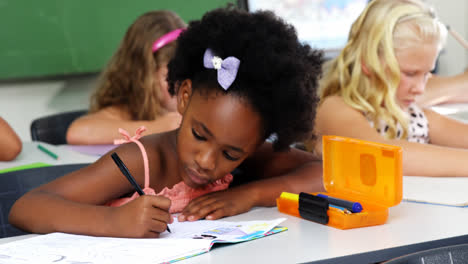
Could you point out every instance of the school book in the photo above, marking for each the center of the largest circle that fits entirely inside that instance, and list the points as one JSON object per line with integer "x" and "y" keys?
{"x": 450, "y": 191}
{"x": 188, "y": 239}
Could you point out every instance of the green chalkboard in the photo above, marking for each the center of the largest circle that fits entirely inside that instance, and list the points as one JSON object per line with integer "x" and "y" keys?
{"x": 59, "y": 37}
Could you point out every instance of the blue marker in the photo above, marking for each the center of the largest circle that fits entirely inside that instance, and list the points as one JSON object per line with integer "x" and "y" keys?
{"x": 342, "y": 209}
{"x": 354, "y": 207}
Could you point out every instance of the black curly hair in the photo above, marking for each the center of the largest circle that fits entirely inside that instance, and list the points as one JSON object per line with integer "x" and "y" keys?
{"x": 277, "y": 74}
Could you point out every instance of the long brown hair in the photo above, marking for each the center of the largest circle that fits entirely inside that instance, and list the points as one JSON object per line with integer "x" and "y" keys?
{"x": 128, "y": 80}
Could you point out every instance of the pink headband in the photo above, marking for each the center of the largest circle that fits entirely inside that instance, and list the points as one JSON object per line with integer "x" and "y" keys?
{"x": 167, "y": 38}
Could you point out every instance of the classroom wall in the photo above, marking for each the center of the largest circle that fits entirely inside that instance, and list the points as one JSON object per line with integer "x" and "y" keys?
{"x": 61, "y": 37}
{"x": 50, "y": 96}
{"x": 454, "y": 58}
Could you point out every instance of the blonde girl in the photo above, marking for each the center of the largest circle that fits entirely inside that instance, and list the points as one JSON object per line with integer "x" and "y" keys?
{"x": 369, "y": 91}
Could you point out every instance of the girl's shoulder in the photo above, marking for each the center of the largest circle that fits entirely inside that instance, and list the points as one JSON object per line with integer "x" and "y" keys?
{"x": 334, "y": 113}
{"x": 117, "y": 112}
{"x": 332, "y": 99}
{"x": 159, "y": 142}
{"x": 159, "y": 145}
{"x": 334, "y": 104}
{"x": 162, "y": 157}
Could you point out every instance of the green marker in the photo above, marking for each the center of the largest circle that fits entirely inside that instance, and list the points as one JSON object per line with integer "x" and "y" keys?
{"x": 48, "y": 152}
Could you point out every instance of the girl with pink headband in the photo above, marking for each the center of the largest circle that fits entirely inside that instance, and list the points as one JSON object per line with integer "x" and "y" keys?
{"x": 132, "y": 90}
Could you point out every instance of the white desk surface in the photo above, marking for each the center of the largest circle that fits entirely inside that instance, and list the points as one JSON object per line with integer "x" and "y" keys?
{"x": 305, "y": 241}
{"x": 457, "y": 111}
{"x": 31, "y": 154}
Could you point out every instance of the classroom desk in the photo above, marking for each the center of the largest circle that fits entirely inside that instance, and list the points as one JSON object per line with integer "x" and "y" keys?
{"x": 411, "y": 227}
{"x": 31, "y": 154}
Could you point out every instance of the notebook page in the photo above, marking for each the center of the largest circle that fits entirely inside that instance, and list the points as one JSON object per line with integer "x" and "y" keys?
{"x": 220, "y": 230}
{"x": 436, "y": 190}
{"x": 67, "y": 248}
{"x": 186, "y": 240}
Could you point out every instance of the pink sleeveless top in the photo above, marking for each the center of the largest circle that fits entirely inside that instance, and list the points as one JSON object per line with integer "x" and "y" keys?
{"x": 180, "y": 194}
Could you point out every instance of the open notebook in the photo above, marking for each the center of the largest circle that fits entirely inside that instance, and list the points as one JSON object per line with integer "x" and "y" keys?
{"x": 187, "y": 239}
{"x": 451, "y": 191}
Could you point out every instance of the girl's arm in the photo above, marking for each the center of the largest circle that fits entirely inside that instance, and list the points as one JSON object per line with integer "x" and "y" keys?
{"x": 272, "y": 173}
{"x": 446, "y": 131}
{"x": 75, "y": 202}
{"x": 440, "y": 89}
{"x": 102, "y": 127}
{"x": 334, "y": 117}
{"x": 10, "y": 143}
{"x": 269, "y": 174}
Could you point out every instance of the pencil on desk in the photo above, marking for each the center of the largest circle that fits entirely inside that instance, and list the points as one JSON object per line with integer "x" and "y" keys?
{"x": 48, "y": 152}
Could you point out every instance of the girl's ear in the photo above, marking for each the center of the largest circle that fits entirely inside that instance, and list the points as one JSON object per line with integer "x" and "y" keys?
{"x": 183, "y": 95}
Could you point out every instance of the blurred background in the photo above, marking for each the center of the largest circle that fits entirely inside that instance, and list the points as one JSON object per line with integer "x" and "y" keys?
{"x": 52, "y": 51}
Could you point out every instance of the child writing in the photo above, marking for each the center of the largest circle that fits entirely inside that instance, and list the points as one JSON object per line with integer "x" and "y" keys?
{"x": 369, "y": 90}
{"x": 239, "y": 78}
{"x": 133, "y": 90}
{"x": 10, "y": 143}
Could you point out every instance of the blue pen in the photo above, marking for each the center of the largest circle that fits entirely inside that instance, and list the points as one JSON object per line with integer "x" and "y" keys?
{"x": 354, "y": 207}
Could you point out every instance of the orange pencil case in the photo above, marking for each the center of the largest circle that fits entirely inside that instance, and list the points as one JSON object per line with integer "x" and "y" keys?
{"x": 361, "y": 171}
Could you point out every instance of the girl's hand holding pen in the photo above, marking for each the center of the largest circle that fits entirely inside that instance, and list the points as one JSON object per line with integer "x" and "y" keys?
{"x": 154, "y": 208}
{"x": 145, "y": 217}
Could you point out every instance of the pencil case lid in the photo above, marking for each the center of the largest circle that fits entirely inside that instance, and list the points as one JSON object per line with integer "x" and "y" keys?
{"x": 363, "y": 170}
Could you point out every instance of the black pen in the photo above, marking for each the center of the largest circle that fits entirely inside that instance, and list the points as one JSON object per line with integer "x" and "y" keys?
{"x": 129, "y": 177}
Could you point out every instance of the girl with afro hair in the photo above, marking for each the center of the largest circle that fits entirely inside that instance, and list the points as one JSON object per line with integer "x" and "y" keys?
{"x": 239, "y": 78}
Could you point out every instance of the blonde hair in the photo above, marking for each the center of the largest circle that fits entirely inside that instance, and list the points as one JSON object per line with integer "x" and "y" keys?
{"x": 128, "y": 80}
{"x": 384, "y": 27}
